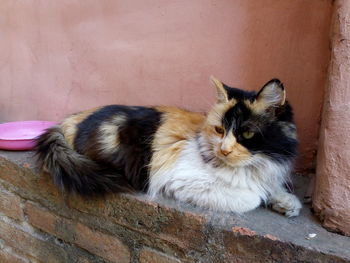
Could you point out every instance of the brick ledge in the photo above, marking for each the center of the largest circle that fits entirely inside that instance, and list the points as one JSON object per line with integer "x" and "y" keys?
{"x": 125, "y": 228}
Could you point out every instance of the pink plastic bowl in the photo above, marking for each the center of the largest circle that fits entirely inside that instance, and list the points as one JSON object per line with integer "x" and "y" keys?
{"x": 20, "y": 135}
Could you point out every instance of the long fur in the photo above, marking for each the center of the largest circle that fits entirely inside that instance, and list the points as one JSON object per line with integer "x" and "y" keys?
{"x": 74, "y": 172}
{"x": 234, "y": 158}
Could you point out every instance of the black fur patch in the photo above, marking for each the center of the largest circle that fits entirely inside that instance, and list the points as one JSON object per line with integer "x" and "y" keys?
{"x": 239, "y": 94}
{"x": 134, "y": 152}
{"x": 268, "y": 138}
{"x": 84, "y": 170}
{"x": 73, "y": 172}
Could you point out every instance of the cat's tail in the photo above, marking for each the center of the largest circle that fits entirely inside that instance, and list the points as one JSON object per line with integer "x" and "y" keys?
{"x": 73, "y": 172}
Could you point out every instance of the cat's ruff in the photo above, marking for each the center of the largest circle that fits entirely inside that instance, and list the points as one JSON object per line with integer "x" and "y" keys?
{"x": 232, "y": 159}
{"x": 225, "y": 188}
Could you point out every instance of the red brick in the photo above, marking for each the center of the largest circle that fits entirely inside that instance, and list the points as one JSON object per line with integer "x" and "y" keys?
{"x": 272, "y": 237}
{"x": 7, "y": 255}
{"x": 10, "y": 205}
{"x": 31, "y": 245}
{"x": 148, "y": 255}
{"x": 11, "y": 173}
{"x": 243, "y": 231}
{"x": 36, "y": 245}
{"x": 106, "y": 246}
{"x": 165, "y": 223}
{"x": 128, "y": 211}
{"x": 41, "y": 218}
{"x": 84, "y": 260}
{"x": 31, "y": 184}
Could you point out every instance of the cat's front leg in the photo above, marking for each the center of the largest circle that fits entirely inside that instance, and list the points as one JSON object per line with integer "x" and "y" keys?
{"x": 285, "y": 203}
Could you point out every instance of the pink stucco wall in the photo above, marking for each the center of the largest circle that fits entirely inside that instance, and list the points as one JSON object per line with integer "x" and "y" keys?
{"x": 58, "y": 57}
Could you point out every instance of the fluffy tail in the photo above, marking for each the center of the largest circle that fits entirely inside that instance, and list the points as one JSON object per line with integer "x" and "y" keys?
{"x": 74, "y": 172}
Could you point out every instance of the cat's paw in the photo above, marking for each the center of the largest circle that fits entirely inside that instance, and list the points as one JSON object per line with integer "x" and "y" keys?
{"x": 287, "y": 204}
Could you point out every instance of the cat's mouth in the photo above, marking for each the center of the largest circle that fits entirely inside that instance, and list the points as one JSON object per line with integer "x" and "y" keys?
{"x": 213, "y": 155}
{"x": 231, "y": 159}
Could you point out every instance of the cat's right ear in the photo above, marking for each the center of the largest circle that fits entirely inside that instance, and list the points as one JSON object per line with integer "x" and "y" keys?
{"x": 221, "y": 92}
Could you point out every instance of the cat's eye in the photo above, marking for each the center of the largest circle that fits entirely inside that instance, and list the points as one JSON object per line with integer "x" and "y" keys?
{"x": 219, "y": 130}
{"x": 248, "y": 134}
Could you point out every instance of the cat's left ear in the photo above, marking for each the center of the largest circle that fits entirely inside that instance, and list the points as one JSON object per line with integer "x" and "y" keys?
{"x": 221, "y": 92}
{"x": 272, "y": 94}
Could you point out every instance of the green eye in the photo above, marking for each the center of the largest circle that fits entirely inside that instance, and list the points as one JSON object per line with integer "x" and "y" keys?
{"x": 219, "y": 130}
{"x": 248, "y": 134}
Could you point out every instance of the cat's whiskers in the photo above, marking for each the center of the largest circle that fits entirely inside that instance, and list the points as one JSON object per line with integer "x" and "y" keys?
{"x": 177, "y": 153}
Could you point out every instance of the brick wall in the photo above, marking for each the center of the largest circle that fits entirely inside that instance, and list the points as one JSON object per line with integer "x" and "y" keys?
{"x": 38, "y": 224}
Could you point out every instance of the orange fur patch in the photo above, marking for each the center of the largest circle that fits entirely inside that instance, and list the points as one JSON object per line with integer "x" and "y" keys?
{"x": 221, "y": 92}
{"x": 176, "y": 128}
{"x": 238, "y": 154}
{"x": 271, "y": 96}
{"x": 218, "y": 111}
{"x": 109, "y": 135}
{"x": 228, "y": 142}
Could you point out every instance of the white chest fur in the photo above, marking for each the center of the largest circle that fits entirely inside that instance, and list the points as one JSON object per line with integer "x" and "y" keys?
{"x": 238, "y": 189}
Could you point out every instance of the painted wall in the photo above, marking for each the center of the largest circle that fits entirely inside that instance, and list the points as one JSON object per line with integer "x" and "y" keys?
{"x": 59, "y": 57}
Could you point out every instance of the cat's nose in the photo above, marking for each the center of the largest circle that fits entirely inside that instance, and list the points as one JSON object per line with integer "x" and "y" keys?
{"x": 225, "y": 152}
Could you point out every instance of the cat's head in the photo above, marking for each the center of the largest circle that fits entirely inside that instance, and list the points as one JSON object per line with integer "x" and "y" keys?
{"x": 245, "y": 124}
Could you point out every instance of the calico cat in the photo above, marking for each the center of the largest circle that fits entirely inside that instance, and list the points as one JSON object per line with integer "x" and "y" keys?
{"x": 234, "y": 158}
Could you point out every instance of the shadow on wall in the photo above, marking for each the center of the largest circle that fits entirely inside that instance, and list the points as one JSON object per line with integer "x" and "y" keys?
{"x": 61, "y": 57}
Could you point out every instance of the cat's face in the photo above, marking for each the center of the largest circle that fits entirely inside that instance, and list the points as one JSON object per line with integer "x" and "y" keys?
{"x": 242, "y": 125}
